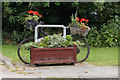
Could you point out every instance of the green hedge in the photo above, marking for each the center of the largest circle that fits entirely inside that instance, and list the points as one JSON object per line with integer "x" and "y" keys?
{"x": 106, "y": 35}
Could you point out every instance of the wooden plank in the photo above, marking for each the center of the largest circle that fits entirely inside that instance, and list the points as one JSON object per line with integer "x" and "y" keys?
{"x": 31, "y": 56}
{"x": 53, "y": 61}
{"x": 53, "y": 55}
{"x": 53, "y": 49}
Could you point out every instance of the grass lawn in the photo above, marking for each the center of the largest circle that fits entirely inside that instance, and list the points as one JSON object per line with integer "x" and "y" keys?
{"x": 10, "y": 51}
{"x": 98, "y": 56}
{"x": 104, "y": 56}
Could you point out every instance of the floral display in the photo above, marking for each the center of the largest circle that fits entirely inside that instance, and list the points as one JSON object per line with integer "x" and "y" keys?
{"x": 79, "y": 26}
{"x": 32, "y": 20}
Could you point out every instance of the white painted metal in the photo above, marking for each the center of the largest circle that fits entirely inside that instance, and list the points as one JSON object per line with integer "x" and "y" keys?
{"x": 56, "y": 26}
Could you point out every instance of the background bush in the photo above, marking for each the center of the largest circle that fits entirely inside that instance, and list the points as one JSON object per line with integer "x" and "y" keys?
{"x": 106, "y": 35}
{"x": 104, "y": 19}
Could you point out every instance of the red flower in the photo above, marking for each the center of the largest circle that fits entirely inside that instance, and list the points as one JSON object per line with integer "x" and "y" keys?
{"x": 30, "y": 11}
{"x": 40, "y": 15}
{"x": 77, "y": 18}
{"x": 82, "y": 19}
{"x": 83, "y": 27}
{"x": 86, "y": 20}
{"x": 36, "y": 13}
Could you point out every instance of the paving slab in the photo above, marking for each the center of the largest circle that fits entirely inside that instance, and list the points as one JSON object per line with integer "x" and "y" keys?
{"x": 6, "y": 61}
{"x": 67, "y": 71}
{"x": 83, "y": 70}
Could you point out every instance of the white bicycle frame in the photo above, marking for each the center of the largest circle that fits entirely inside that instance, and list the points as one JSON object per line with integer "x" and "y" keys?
{"x": 54, "y": 26}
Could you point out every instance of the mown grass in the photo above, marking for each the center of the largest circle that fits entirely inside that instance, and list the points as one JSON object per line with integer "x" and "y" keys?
{"x": 104, "y": 56}
{"x": 10, "y": 51}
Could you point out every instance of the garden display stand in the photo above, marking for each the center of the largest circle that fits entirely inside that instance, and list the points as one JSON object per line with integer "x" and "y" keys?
{"x": 53, "y": 55}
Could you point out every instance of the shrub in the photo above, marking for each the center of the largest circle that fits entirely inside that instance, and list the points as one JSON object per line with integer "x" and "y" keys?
{"x": 19, "y": 36}
{"x": 93, "y": 38}
{"x": 15, "y": 37}
{"x": 106, "y": 35}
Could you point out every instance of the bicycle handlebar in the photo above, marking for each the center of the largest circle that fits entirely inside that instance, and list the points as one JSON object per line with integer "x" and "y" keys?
{"x": 57, "y": 26}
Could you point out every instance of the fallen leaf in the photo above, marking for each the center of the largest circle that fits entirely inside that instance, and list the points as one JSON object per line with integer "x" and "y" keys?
{"x": 23, "y": 68}
{"x": 86, "y": 71}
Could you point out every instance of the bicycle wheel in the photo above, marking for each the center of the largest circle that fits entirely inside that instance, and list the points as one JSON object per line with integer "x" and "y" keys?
{"x": 24, "y": 54}
{"x": 83, "y": 49}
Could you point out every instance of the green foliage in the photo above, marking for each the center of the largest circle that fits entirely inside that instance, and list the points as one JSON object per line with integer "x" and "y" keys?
{"x": 46, "y": 40}
{"x": 106, "y": 11}
{"x": 57, "y": 3}
{"x": 107, "y": 17}
{"x": 28, "y": 45}
{"x": 107, "y": 35}
{"x": 19, "y": 36}
{"x": 15, "y": 36}
{"x": 68, "y": 42}
{"x": 56, "y": 40}
{"x": 51, "y": 41}
{"x": 73, "y": 21}
{"x": 57, "y": 12}
{"x": 75, "y": 4}
{"x": 93, "y": 37}
{"x": 13, "y": 16}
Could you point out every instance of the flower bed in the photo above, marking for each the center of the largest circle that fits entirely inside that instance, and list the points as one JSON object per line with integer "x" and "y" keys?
{"x": 53, "y": 55}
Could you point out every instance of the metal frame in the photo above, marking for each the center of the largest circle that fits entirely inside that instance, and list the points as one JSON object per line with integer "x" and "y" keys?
{"x": 54, "y": 26}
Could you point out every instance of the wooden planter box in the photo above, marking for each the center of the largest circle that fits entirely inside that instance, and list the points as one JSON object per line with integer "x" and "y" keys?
{"x": 53, "y": 55}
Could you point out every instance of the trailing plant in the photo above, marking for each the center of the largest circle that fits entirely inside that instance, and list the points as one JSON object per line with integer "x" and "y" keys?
{"x": 78, "y": 26}
{"x": 32, "y": 20}
{"x": 79, "y": 23}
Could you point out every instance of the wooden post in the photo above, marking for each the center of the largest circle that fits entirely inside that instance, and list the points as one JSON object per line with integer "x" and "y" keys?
{"x": 31, "y": 57}
{"x": 75, "y": 48}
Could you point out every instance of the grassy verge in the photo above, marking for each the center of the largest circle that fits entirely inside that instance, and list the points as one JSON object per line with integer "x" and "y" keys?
{"x": 105, "y": 56}
{"x": 98, "y": 56}
{"x": 10, "y": 51}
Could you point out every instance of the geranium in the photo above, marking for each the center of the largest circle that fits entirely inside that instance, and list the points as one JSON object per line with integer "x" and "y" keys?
{"x": 86, "y": 20}
{"x": 32, "y": 19}
{"x": 30, "y": 11}
{"x": 79, "y": 23}
{"x": 40, "y": 15}
{"x": 36, "y": 13}
{"x": 77, "y": 18}
{"x": 82, "y": 19}
{"x": 33, "y": 15}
